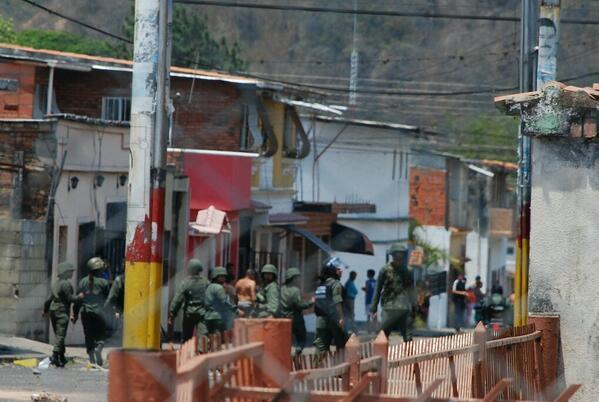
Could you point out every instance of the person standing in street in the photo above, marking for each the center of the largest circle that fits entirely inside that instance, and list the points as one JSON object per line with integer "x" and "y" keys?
{"x": 245, "y": 290}
{"x": 292, "y": 306}
{"x": 219, "y": 309}
{"x": 395, "y": 290}
{"x": 269, "y": 297}
{"x": 58, "y": 306}
{"x": 480, "y": 299}
{"x": 368, "y": 288}
{"x": 349, "y": 302}
{"x": 459, "y": 297}
{"x": 328, "y": 307}
{"x": 190, "y": 296}
{"x": 94, "y": 289}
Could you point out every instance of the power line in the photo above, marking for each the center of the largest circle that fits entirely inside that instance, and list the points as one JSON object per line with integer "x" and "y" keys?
{"x": 381, "y": 13}
{"x": 78, "y": 22}
{"x": 310, "y": 86}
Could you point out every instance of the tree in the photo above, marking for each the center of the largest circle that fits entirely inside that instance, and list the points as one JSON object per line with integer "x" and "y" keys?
{"x": 7, "y": 32}
{"x": 433, "y": 255}
{"x": 193, "y": 44}
{"x": 63, "y": 41}
{"x": 54, "y": 40}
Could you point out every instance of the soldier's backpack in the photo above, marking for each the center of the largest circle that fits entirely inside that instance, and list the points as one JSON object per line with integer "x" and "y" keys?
{"x": 323, "y": 302}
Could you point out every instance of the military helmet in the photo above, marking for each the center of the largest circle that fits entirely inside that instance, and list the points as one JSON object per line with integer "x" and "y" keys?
{"x": 219, "y": 271}
{"x": 335, "y": 263}
{"x": 95, "y": 263}
{"x": 195, "y": 266}
{"x": 291, "y": 273}
{"x": 397, "y": 248}
{"x": 65, "y": 267}
{"x": 269, "y": 269}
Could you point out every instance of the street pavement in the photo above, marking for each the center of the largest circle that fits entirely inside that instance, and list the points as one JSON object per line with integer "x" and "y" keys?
{"x": 75, "y": 382}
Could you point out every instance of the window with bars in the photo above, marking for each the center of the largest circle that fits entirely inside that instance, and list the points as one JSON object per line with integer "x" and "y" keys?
{"x": 116, "y": 108}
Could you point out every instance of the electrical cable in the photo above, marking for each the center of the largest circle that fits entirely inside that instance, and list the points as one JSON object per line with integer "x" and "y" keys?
{"x": 318, "y": 87}
{"x": 76, "y": 21}
{"x": 381, "y": 13}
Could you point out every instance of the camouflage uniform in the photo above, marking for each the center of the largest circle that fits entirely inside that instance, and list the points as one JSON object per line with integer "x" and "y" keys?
{"x": 395, "y": 291}
{"x": 328, "y": 329}
{"x": 292, "y": 306}
{"x": 269, "y": 297}
{"x": 116, "y": 296}
{"x": 95, "y": 291}
{"x": 58, "y": 305}
{"x": 219, "y": 309}
{"x": 190, "y": 295}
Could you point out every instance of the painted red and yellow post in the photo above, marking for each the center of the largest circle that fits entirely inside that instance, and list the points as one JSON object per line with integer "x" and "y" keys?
{"x": 144, "y": 279}
{"x": 522, "y": 262}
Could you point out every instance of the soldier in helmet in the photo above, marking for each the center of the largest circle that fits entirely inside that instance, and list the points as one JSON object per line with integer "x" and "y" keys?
{"x": 94, "y": 290}
{"x": 190, "y": 295}
{"x": 328, "y": 307}
{"x": 58, "y": 305}
{"x": 395, "y": 291}
{"x": 292, "y": 306}
{"x": 269, "y": 296}
{"x": 219, "y": 309}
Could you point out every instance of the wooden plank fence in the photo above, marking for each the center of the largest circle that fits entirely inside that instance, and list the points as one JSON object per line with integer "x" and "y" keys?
{"x": 479, "y": 366}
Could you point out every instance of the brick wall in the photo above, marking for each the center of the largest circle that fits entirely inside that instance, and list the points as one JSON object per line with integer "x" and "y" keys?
{"x": 81, "y": 92}
{"x": 212, "y": 120}
{"x": 17, "y": 103}
{"x": 27, "y": 150}
{"x": 428, "y": 196}
{"x": 23, "y": 278}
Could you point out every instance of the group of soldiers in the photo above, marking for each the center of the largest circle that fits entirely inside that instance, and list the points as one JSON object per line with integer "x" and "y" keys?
{"x": 94, "y": 295}
{"x": 209, "y": 308}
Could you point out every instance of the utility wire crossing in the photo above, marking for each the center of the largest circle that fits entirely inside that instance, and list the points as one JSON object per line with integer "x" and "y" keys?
{"x": 381, "y": 13}
{"x": 311, "y": 86}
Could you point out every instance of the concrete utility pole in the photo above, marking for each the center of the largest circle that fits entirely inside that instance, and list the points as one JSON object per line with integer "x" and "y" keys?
{"x": 353, "y": 77}
{"x": 528, "y": 37}
{"x": 145, "y": 207}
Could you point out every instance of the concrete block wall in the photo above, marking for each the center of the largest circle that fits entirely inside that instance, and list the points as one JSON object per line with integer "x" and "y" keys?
{"x": 24, "y": 279}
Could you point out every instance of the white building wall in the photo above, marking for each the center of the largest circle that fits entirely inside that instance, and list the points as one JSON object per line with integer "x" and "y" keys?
{"x": 564, "y": 255}
{"x": 497, "y": 260}
{"x": 364, "y": 164}
{"x": 477, "y": 250}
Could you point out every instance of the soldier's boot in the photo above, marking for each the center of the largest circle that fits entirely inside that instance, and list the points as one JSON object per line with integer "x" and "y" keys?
{"x": 63, "y": 359}
{"x": 98, "y": 353}
{"x": 92, "y": 357}
{"x": 55, "y": 360}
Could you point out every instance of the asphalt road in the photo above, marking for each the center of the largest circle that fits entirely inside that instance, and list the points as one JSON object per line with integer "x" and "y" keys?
{"x": 74, "y": 382}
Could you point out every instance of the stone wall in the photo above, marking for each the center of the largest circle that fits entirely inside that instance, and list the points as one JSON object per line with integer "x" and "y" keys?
{"x": 23, "y": 278}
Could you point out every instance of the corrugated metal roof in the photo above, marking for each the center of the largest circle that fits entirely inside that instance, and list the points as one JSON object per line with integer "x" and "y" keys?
{"x": 45, "y": 56}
